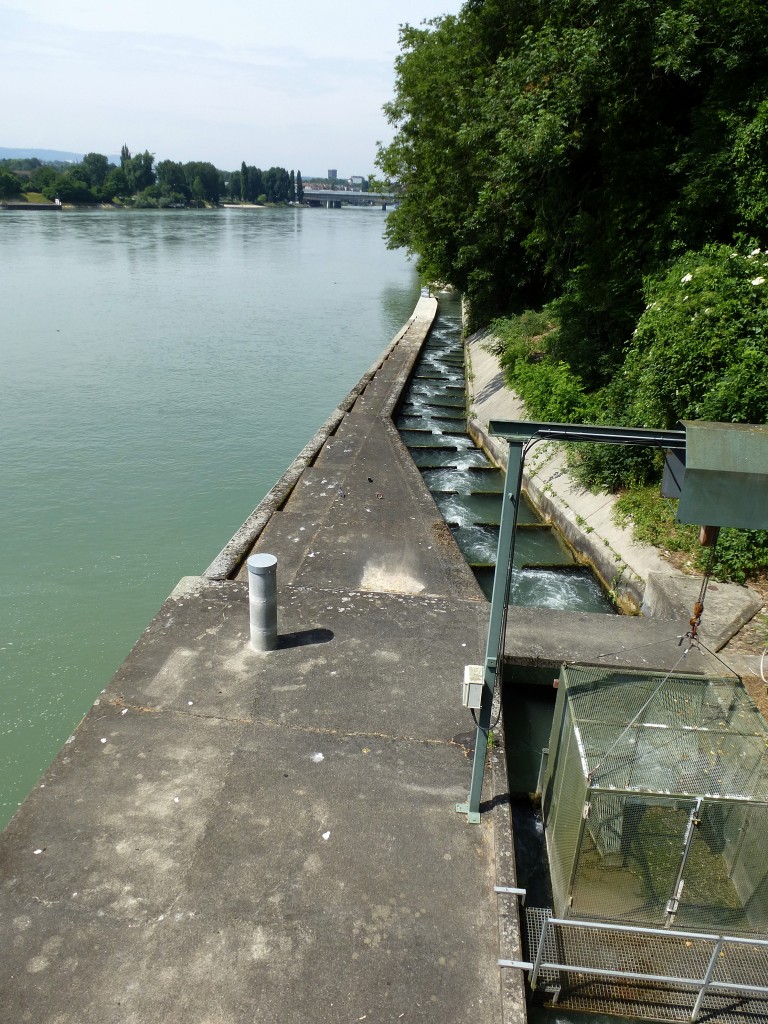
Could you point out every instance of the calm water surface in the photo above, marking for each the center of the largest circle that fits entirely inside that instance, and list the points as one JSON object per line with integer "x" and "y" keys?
{"x": 159, "y": 372}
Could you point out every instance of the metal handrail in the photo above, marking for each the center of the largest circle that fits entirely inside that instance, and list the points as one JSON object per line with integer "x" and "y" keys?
{"x": 704, "y": 985}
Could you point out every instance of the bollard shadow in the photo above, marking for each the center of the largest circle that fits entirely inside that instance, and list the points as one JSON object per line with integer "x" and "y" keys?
{"x": 303, "y": 638}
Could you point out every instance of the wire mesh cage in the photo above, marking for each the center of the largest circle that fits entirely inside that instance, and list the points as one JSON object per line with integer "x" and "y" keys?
{"x": 655, "y": 801}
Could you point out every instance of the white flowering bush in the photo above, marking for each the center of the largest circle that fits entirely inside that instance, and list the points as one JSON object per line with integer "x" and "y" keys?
{"x": 700, "y": 350}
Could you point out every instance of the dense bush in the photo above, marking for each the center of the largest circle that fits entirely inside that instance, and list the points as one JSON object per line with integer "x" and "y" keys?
{"x": 549, "y": 388}
{"x": 700, "y": 350}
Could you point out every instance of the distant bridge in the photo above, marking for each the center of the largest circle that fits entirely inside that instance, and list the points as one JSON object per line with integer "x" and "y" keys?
{"x": 333, "y": 199}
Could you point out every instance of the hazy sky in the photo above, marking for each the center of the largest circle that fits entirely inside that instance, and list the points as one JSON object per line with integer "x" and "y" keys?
{"x": 296, "y": 84}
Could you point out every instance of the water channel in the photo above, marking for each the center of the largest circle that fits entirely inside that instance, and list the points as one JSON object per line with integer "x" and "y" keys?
{"x": 468, "y": 489}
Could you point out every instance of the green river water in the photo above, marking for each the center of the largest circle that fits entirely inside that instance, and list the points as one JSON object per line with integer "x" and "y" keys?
{"x": 159, "y": 372}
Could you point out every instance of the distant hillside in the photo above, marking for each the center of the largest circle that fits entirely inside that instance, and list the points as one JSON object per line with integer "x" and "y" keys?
{"x": 41, "y": 154}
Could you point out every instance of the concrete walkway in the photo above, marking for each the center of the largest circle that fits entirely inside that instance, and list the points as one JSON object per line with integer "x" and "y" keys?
{"x": 235, "y": 837}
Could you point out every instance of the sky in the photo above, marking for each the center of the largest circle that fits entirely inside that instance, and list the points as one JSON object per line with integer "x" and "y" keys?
{"x": 298, "y": 85}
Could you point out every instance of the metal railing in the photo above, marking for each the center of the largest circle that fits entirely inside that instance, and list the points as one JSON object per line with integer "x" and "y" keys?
{"x": 725, "y": 962}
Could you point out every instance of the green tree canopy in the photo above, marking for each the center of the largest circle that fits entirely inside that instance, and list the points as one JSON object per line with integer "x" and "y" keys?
{"x": 10, "y": 184}
{"x": 210, "y": 183}
{"x": 95, "y": 168}
{"x": 172, "y": 179}
{"x": 564, "y": 150}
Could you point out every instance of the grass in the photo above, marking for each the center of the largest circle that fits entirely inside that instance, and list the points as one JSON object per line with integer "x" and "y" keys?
{"x": 30, "y": 197}
{"x": 741, "y": 555}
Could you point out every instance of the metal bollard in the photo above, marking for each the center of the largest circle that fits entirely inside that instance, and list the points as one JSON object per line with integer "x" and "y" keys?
{"x": 262, "y": 600}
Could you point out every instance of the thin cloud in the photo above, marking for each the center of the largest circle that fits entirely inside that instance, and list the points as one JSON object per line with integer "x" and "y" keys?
{"x": 306, "y": 91}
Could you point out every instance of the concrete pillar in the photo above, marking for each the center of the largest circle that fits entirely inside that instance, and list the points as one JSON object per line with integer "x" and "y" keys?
{"x": 262, "y": 601}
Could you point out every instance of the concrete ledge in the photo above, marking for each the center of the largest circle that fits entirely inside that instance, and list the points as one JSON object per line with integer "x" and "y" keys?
{"x": 728, "y": 606}
{"x": 228, "y": 560}
{"x": 630, "y": 641}
{"x": 513, "y": 996}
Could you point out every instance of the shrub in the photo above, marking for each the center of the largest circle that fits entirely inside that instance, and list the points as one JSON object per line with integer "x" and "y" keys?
{"x": 549, "y": 388}
{"x": 739, "y": 554}
{"x": 700, "y": 350}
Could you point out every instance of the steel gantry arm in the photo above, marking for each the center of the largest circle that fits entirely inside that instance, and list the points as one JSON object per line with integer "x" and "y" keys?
{"x": 518, "y": 433}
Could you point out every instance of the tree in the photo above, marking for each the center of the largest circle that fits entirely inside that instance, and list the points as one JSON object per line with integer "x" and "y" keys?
{"x": 277, "y": 185}
{"x": 299, "y": 188}
{"x": 95, "y": 168}
{"x": 198, "y": 190}
{"x": 41, "y": 178}
{"x": 70, "y": 188}
{"x": 552, "y": 150}
{"x": 255, "y": 183}
{"x": 235, "y": 181}
{"x": 10, "y": 184}
{"x": 115, "y": 185}
{"x": 172, "y": 180}
{"x": 210, "y": 181}
{"x": 139, "y": 171}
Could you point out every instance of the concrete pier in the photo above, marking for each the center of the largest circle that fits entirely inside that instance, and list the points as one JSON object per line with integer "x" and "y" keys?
{"x": 236, "y": 836}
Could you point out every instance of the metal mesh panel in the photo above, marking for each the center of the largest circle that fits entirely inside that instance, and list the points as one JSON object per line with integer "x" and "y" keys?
{"x": 635, "y": 882}
{"x": 673, "y": 773}
{"x": 674, "y": 734}
{"x": 745, "y": 833}
{"x": 663, "y": 954}
{"x": 565, "y": 813}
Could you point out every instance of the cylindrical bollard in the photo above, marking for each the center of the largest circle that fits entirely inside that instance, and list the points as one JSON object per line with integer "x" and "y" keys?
{"x": 262, "y": 600}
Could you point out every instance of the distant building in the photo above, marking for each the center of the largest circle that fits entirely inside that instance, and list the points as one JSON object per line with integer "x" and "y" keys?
{"x": 359, "y": 183}
{"x": 333, "y": 173}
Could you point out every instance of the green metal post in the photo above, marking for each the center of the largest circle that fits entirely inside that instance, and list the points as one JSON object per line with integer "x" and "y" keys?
{"x": 494, "y": 645}
{"x": 517, "y": 433}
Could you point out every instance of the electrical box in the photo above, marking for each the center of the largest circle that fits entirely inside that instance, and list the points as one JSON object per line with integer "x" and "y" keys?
{"x": 726, "y": 475}
{"x": 472, "y": 689}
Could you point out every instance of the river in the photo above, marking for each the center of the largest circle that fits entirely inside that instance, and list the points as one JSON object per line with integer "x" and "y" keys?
{"x": 160, "y": 371}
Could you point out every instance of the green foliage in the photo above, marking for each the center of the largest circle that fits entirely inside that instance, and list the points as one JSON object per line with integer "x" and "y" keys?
{"x": 700, "y": 350}
{"x": 69, "y": 188}
{"x": 41, "y": 178}
{"x": 549, "y": 388}
{"x": 95, "y": 167}
{"x": 523, "y": 336}
{"x": 115, "y": 185}
{"x": 10, "y": 184}
{"x": 172, "y": 180}
{"x": 139, "y": 171}
{"x": 557, "y": 151}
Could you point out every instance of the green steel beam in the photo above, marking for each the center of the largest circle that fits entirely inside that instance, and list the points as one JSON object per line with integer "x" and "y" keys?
{"x": 525, "y": 430}
{"x": 518, "y": 433}
{"x": 494, "y": 648}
